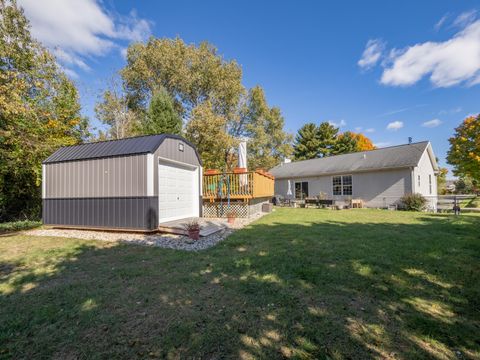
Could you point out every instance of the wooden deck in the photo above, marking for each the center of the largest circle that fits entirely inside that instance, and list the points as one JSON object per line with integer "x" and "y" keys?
{"x": 238, "y": 186}
{"x": 208, "y": 227}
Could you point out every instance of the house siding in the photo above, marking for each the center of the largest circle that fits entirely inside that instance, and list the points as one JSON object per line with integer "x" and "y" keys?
{"x": 424, "y": 170}
{"x": 376, "y": 188}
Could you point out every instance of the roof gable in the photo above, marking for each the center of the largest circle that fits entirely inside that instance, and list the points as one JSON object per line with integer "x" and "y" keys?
{"x": 112, "y": 148}
{"x": 400, "y": 156}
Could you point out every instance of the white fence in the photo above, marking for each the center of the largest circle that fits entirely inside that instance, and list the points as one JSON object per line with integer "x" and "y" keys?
{"x": 434, "y": 203}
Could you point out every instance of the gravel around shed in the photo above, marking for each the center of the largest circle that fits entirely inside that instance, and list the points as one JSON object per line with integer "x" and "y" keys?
{"x": 168, "y": 241}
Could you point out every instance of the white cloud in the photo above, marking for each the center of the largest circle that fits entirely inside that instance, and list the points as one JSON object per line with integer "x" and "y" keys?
{"x": 69, "y": 59}
{"x": 339, "y": 124}
{"x": 80, "y": 29}
{"x": 450, "y": 111}
{"x": 432, "y": 123}
{"x": 441, "y": 22}
{"x": 123, "y": 52}
{"x": 372, "y": 53}
{"x": 368, "y": 130}
{"x": 465, "y": 18}
{"x": 447, "y": 63}
{"x": 70, "y": 73}
{"x": 395, "y": 125}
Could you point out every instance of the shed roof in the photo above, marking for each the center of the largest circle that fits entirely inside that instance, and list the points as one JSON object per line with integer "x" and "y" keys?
{"x": 400, "y": 156}
{"x": 110, "y": 148}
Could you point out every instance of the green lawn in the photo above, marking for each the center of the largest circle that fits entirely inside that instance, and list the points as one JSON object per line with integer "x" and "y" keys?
{"x": 299, "y": 283}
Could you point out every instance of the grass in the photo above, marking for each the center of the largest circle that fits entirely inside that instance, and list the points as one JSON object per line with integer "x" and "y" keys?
{"x": 299, "y": 283}
{"x": 13, "y": 226}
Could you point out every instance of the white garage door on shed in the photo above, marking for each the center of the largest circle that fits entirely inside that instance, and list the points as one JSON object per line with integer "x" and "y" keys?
{"x": 178, "y": 189}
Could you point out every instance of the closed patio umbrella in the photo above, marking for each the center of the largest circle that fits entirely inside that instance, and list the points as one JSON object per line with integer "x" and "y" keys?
{"x": 242, "y": 162}
{"x": 289, "y": 189}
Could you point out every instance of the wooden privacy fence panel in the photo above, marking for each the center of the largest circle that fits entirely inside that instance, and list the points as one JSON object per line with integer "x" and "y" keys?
{"x": 263, "y": 185}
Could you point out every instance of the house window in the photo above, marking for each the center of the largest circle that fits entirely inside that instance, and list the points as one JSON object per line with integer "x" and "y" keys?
{"x": 342, "y": 185}
{"x": 181, "y": 147}
{"x": 430, "y": 183}
{"x": 337, "y": 185}
{"x": 418, "y": 177}
{"x": 301, "y": 190}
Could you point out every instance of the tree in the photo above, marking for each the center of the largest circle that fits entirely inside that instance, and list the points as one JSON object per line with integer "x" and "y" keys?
{"x": 307, "y": 143}
{"x": 263, "y": 126}
{"x": 191, "y": 74}
{"x": 203, "y": 87}
{"x": 114, "y": 111}
{"x": 345, "y": 143}
{"x": 207, "y": 130}
{"x": 442, "y": 181}
{"x": 349, "y": 142}
{"x": 39, "y": 112}
{"x": 161, "y": 116}
{"x": 363, "y": 142}
{"x": 464, "y": 152}
{"x": 327, "y": 137}
{"x": 319, "y": 141}
{"x": 466, "y": 185}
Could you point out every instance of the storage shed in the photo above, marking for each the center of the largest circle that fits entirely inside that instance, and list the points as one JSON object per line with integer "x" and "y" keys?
{"x": 133, "y": 183}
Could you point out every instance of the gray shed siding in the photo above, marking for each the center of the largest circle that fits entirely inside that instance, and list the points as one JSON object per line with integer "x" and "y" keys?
{"x": 376, "y": 188}
{"x": 169, "y": 150}
{"x": 138, "y": 213}
{"x": 124, "y": 176}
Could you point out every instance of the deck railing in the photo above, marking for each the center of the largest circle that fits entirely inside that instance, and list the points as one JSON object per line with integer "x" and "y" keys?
{"x": 248, "y": 185}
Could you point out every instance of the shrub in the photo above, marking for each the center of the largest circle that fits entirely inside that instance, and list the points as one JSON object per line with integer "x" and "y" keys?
{"x": 18, "y": 225}
{"x": 413, "y": 202}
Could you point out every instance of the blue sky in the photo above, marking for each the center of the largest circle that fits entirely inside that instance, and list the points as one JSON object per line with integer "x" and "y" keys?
{"x": 390, "y": 69}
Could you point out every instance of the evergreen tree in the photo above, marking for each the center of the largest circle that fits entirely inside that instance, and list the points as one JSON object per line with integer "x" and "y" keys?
{"x": 327, "y": 138}
{"x": 307, "y": 143}
{"x": 346, "y": 143}
{"x": 161, "y": 116}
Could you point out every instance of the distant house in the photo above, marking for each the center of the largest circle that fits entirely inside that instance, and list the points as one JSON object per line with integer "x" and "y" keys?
{"x": 379, "y": 177}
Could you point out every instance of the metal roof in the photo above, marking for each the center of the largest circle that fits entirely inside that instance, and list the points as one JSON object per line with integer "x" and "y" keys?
{"x": 400, "y": 156}
{"x": 111, "y": 148}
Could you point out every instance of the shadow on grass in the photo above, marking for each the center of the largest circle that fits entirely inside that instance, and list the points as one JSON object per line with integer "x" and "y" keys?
{"x": 277, "y": 289}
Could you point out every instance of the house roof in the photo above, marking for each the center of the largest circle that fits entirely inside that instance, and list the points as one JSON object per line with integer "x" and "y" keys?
{"x": 400, "y": 156}
{"x": 112, "y": 148}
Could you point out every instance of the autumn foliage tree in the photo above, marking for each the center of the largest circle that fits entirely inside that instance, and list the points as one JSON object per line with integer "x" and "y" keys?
{"x": 207, "y": 93}
{"x": 39, "y": 112}
{"x": 464, "y": 152}
{"x": 363, "y": 142}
